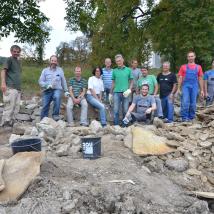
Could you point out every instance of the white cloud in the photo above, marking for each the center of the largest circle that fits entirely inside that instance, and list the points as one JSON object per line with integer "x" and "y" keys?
{"x": 55, "y": 11}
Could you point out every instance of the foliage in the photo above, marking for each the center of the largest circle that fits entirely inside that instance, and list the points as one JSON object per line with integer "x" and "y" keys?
{"x": 179, "y": 26}
{"x": 104, "y": 24}
{"x": 76, "y": 51}
{"x": 134, "y": 28}
{"x": 24, "y": 19}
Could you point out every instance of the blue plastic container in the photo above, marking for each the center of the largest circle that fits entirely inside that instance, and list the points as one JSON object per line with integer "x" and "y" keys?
{"x": 26, "y": 145}
{"x": 91, "y": 147}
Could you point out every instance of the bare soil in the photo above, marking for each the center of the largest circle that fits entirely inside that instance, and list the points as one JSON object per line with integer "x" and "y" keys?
{"x": 76, "y": 185}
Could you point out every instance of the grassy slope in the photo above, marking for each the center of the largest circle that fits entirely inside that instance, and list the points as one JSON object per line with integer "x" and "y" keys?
{"x": 31, "y": 74}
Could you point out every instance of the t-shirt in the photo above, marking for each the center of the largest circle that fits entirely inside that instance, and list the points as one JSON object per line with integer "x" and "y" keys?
{"x": 77, "y": 86}
{"x": 136, "y": 73}
{"x": 107, "y": 78}
{"x": 182, "y": 71}
{"x": 121, "y": 77}
{"x": 209, "y": 76}
{"x": 143, "y": 103}
{"x": 166, "y": 83}
{"x": 96, "y": 84}
{"x": 13, "y": 73}
{"x": 150, "y": 80}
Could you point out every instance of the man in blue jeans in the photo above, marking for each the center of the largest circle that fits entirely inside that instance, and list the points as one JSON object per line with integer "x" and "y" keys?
{"x": 168, "y": 86}
{"x": 190, "y": 76}
{"x": 122, "y": 82}
{"x": 53, "y": 83}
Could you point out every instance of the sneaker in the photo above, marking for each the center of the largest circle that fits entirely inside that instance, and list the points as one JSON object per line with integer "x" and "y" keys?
{"x": 71, "y": 124}
{"x": 83, "y": 124}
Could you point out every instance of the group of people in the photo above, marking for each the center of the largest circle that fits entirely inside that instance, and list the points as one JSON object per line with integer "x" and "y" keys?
{"x": 131, "y": 92}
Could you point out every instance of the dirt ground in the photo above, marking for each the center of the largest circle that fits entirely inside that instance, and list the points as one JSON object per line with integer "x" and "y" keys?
{"x": 76, "y": 185}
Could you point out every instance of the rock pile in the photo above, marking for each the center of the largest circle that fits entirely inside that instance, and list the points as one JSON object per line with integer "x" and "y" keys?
{"x": 188, "y": 168}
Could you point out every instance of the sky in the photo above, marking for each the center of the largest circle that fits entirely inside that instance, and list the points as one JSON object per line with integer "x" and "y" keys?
{"x": 55, "y": 11}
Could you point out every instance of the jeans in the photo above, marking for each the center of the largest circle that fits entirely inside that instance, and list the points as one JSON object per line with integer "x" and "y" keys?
{"x": 84, "y": 111}
{"x": 106, "y": 93}
{"x": 168, "y": 108}
{"x": 100, "y": 106}
{"x": 158, "y": 112}
{"x": 47, "y": 97}
{"x": 188, "y": 101}
{"x": 118, "y": 99}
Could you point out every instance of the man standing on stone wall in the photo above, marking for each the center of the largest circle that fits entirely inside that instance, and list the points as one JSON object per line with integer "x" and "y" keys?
{"x": 11, "y": 87}
{"x": 209, "y": 85}
{"x": 190, "y": 76}
{"x": 122, "y": 82}
{"x": 53, "y": 83}
{"x": 168, "y": 86}
{"x": 107, "y": 78}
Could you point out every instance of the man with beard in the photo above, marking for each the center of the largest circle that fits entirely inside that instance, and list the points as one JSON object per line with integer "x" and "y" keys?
{"x": 53, "y": 83}
{"x": 145, "y": 105}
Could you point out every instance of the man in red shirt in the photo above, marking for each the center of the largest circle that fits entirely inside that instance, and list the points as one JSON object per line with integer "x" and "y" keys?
{"x": 190, "y": 76}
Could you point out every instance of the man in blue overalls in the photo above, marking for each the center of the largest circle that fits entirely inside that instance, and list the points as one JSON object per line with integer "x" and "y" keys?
{"x": 190, "y": 77}
{"x": 209, "y": 85}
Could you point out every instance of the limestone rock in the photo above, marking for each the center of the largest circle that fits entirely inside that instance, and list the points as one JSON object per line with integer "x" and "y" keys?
{"x": 204, "y": 137}
{"x": 178, "y": 165}
{"x": 205, "y": 144}
{"x": 158, "y": 123}
{"x": 128, "y": 141}
{"x": 95, "y": 126}
{"x": 23, "y": 117}
{"x": 31, "y": 106}
{"x": 2, "y": 183}
{"x": 174, "y": 136}
{"x": 76, "y": 141}
{"x": 31, "y": 131}
{"x": 63, "y": 150}
{"x": 19, "y": 129}
{"x": 61, "y": 123}
{"x": 13, "y": 137}
{"x": 193, "y": 172}
{"x": 49, "y": 126}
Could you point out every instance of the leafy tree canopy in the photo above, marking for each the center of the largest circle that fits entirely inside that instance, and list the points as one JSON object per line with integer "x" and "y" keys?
{"x": 133, "y": 28}
{"x": 23, "y": 18}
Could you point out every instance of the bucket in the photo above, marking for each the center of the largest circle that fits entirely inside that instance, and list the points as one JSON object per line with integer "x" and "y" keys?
{"x": 26, "y": 145}
{"x": 91, "y": 147}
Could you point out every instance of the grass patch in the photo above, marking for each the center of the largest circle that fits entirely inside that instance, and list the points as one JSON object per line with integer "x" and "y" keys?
{"x": 31, "y": 74}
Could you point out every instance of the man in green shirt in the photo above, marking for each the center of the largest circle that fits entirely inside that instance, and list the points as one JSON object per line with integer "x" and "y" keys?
{"x": 11, "y": 86}
{"x": 122, "y": 81}
{"x": 153, "y": 89}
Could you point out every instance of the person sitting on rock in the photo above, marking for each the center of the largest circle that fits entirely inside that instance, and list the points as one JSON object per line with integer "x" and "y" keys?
{"x": 94, "y": 93}
{"x": 209, "y": 85}
{"x": 77, "y": 89}
{"x": 153, "y": 89}
{"x": 52, "y": 81}
{"x": 145, "y": 106}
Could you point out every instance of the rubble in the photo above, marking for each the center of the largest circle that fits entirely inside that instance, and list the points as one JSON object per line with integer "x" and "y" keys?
{"x": 69, "y": 183}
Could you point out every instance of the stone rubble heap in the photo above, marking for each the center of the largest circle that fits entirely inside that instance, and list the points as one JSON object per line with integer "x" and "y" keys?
{"x": 190, "y": 166}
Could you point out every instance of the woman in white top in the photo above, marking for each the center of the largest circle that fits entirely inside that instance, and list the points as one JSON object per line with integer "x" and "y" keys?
{"x": 94, "y": 93}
